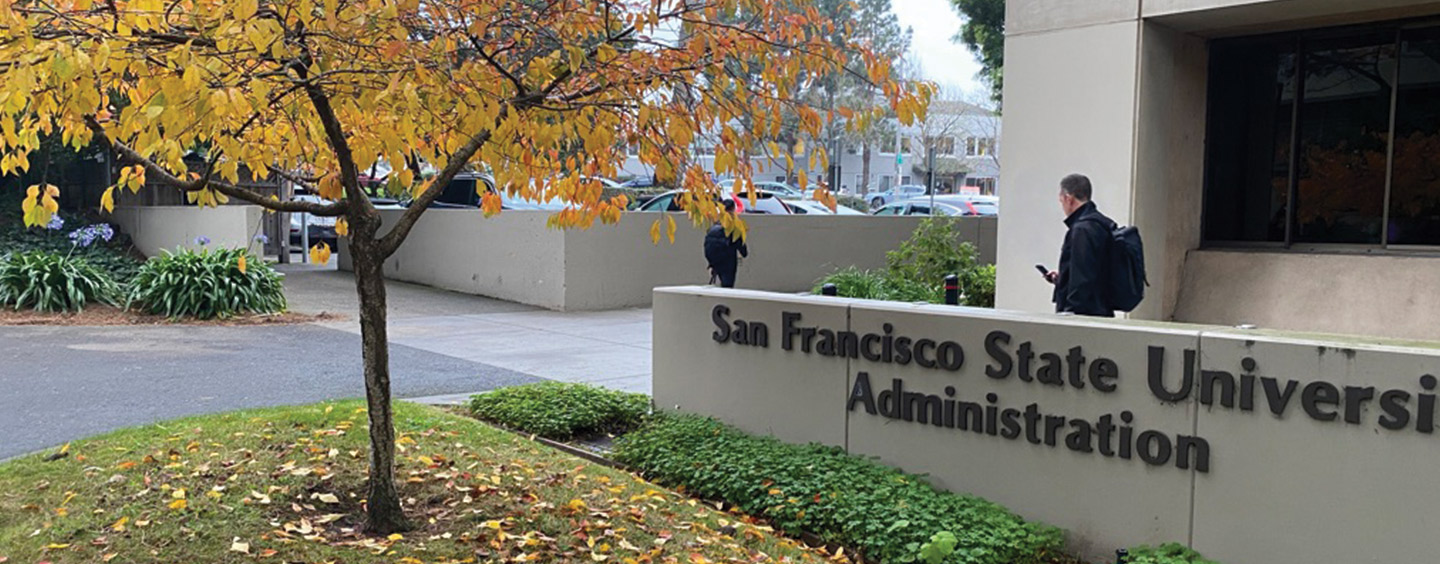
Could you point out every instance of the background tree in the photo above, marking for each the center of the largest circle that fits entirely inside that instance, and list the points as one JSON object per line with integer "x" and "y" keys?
{"x": 317, "y": 91}
{"x": 984, "y": 33}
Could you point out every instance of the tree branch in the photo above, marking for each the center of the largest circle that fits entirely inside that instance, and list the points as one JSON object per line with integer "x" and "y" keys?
{"x": 392, "y": 240}
{"x": 154, "y": 170}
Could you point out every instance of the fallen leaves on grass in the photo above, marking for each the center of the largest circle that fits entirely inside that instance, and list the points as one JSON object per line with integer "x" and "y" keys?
{"x": 285, "y": 486}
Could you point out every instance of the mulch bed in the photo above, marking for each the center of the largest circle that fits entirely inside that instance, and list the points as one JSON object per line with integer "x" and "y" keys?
{"x": 102, "y": 315}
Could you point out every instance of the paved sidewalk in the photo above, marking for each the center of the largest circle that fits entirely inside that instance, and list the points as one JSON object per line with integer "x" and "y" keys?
{"x": 610, "y": 348}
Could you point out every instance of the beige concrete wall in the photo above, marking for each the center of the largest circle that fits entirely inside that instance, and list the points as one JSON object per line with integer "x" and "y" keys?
{"x": 1169, "y": 159}
{"x": 1279, "y": 489}
{"x": 513, "y": 256}
{"x": 1390, "y": 296}
{"x": 1311, "y": 491}
{"x": 1032, "y": 16}
{"x": 1103, "y": 503}
{"x": 1069, "y": 107}
{"x": 746, "y": 387}
{"x": 156, "y": 228}
{"x": 618, "y": 266}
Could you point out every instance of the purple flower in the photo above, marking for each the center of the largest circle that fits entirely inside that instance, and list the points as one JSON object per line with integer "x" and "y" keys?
{"x": 56, "y": 223}
{"x": 262, "y": 239}
{"x": 87, "y": 235}
{"x": 202, "y": 240}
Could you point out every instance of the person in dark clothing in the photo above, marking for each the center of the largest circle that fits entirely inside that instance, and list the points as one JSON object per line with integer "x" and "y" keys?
{"x": 723, "y": 251}
{"x": 1081, "y": 282}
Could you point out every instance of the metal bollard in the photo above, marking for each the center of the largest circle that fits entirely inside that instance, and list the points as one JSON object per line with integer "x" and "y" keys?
{"x": 829, "y": 290}
{"x": 1122, "y": 556}
{"x": 952, "y": 290}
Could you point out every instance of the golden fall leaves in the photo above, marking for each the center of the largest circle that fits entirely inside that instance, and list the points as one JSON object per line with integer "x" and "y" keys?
{"x": 270, "y": 487}
{"x": 320, "y": 253}
{"x": 39, "y": 205}
{"x": 538, "y": 94}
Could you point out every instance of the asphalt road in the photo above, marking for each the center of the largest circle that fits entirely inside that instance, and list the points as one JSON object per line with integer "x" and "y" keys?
{"x": 63, "y": 383}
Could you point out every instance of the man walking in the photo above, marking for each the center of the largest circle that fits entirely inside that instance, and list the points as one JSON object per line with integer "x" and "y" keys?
{"x": 723, "y": 252}
{"x": 1082, "y": 281}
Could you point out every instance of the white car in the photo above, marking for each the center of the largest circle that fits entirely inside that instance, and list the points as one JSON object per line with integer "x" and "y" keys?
{"x": 765, "y": 202}
{"x": 804, "y": 207}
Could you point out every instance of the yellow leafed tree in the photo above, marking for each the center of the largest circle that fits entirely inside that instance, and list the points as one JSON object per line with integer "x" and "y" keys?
{"x": 541, "y": 94}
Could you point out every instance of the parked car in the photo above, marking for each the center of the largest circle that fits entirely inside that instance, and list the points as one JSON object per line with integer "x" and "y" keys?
{"x": 765, "y": 202}
{"x": 321, "y": 229}
{"x": 803, "y": 207}
{"x": 896, "y": 194}
{"x": 784, "y": 190}
{"x": 951, "y": 208}
{"x": 974, "y": 204}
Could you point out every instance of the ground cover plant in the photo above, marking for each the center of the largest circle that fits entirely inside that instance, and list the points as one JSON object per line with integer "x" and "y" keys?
{"x": 51, "y": 282}
{"x": 98, "y": 244}
{"x": 1170, "y": 553}
{"x": 275, "y": 485}
{"x": 207, "y": 284}
{"x": 561, "y": 410}
{"x": 916, "y": 271}
{"x": 887, "y": 515}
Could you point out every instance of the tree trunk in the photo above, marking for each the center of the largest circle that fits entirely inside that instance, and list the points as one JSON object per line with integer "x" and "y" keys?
{"x": 383, "y": 514}
{"x": 865, "y": 170}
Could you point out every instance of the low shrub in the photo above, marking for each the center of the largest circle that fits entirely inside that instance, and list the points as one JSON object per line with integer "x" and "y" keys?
{"x": 561, "y": 411}
{"x": 916, "y": 271}
{"x": 932, "y": 253}
{"x": 52, "y": 282}
{"x": 209, "y": 284}
{"x": 979, "y": 286}
{"x": 871, "y": 285}
{"x": 98, "y": 244}
{"x": 853, "y": 202}
{"x": 887, "y": 515}
{"x": 1170, "y": 553}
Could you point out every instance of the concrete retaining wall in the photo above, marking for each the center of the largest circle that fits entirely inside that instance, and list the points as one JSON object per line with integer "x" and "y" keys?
{"x": 513, "y": 256}
{"x": 156, "y": 228}
{"x": 1393, "y": 296}
{"x": 1292, "y": 449}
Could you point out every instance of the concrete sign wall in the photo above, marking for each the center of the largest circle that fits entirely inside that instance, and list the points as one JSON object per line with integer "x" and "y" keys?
{"x": 1253, "y": 447}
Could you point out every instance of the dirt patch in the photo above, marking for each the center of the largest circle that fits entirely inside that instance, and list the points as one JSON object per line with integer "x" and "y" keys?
{"x": 108, "y": 315}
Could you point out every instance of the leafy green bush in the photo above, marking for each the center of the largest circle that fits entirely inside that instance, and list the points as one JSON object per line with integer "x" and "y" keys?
{"x": 853, "y": 202}
{"x": 931, "y": 253}
{"x": 887, "y": 515}
{"x": 560, "y": 411}
{"x": 979, "y": 286}
{"x": 871, "y": 285}
{"x": 1169, "y": 553}
{"x": 212, "y": 283}
{"x": 53, "y": 282}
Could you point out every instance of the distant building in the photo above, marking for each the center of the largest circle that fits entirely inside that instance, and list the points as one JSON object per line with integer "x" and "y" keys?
{"x": 964, "y": 138}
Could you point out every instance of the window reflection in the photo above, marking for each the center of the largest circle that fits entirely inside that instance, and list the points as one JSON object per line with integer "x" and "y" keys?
{"x": 1415, "y": 188}
{"x": 1344, "y": 138}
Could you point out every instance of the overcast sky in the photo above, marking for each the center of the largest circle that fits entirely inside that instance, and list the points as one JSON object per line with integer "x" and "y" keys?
{"x": 934, "y": 23}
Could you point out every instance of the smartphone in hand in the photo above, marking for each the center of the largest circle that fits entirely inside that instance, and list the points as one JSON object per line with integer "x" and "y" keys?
{"x": 1043, "y": 271}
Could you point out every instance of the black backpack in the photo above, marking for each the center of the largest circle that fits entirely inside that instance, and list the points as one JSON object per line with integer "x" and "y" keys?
{"x": 1127, "y": 269}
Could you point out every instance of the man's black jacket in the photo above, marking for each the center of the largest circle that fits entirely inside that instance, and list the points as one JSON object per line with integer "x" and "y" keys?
{"x": 1084, "y": 272}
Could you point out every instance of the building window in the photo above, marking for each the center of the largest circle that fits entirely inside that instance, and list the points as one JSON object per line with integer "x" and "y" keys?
{"x": 905, "y": 145}
{"x": 1325, "y": 137}
{"x": 885, "y": 182}
{"x": 904, "y": 180}
{"x": 941, "y": 145}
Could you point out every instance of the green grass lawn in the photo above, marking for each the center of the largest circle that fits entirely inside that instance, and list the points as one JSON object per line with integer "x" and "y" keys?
{"x": 282, "y": 485}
